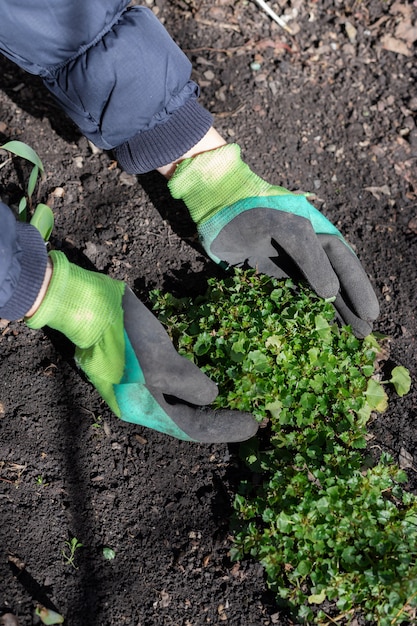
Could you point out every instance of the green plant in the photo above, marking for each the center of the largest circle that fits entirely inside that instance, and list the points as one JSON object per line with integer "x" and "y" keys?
{"x": 98, "y": 422}
{"x": 42, "y": 217}
{"x": 108, "y": 553}
{"x": 40, "y": 481}
{"x": 70, "y": 549}
{"x": 335, "y": 530}
{"x": 48, "y": 616}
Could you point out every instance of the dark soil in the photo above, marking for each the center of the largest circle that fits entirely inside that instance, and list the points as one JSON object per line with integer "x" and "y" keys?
{"x": 330, "y": 109}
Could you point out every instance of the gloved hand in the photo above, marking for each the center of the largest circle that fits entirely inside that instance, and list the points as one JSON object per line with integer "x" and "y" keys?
{"x": 242, "y": 219}
{"x": 129, "y": 358}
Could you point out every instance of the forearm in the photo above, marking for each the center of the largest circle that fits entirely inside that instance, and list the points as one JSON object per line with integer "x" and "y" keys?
{"x": 211, "y": 140}
{"x": 43, "y": 289}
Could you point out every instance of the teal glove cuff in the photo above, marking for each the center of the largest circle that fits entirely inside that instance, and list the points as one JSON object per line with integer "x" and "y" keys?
{"x": 289, "y": 203}
{"x": 135, "y": 402}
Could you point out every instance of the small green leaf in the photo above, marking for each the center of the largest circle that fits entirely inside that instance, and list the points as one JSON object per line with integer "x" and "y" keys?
{"x": 372, "y": 341}
{"x": 108, "y": 553}
{"x": 401, "y": 379}
{"x": 322, "y": 505}
{"x": 43, "y": 220}
{"x": 313, "y": 354}
{"x": 274, "y": 408}
{"x": 358, "y": 443}
{"x": 376, "y": 396}
{"x": 203, "y": 344}
{"x": 48, "y": 617}
{"x": 273, "y": 342}
{"x": 323, "y": 328}
{"x": 317, "y": 598}
{"x": 305, "y": 614}
{"x": 22, "y": 209}
{"x": 268, "y": 515}
{"x": 259, "y": 360}
{"x": 349, "y": 554}
{"x": 32, "y": 180}
{"x": 304, "y": 567}
{"x": 24, "y": 151}
{"x": 283, "y": 522}
{"x": 308, "y": 401}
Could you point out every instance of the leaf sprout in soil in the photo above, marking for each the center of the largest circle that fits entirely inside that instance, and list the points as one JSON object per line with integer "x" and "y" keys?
{"x": 42, "y": 217}
{"x": 334, "y": 528}
{"x": 41, "y": 481}
{"x": 108, "y": 553}
{"x": 48, "y": 616}
{"x": 69, "y": 551}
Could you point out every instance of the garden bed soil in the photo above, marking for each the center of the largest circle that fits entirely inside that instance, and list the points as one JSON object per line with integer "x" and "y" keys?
{"x": 331, "y": 109}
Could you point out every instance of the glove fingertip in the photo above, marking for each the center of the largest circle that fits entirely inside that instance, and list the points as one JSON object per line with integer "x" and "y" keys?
{"x": 206, "y": 393}
{"x": 327, "y": 289}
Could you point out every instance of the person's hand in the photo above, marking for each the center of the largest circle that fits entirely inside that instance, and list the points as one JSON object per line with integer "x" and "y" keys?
{"x": 243, "y": 220}
{"x": 129, "y": 358}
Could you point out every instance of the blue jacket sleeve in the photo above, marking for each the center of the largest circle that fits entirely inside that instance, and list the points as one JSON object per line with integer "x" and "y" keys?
{"x": 23, "y": 261}
{"x": 114, "y": 70}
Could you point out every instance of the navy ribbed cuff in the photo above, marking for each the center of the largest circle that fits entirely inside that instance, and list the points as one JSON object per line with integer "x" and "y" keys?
{"x": 167, "y": 141}
{"x": 33, "y": 262}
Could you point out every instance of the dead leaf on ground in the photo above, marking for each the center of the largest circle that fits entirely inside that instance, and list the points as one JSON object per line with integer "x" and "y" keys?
{"x": 8, "y": 619}
{"x": 406, "y": 31}
{"x": 405, "y": 459}
{"x": 165, "y": 599}
{"x": 376, "y": 191}
{"x": 391, "y": 44}
{"x": 401, "y": 7}
{"x": 412, "y": 225}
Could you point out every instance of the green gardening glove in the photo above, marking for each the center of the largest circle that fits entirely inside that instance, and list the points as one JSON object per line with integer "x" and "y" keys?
{"x": 243, "y": 220}
{"x": 129, "y": 358}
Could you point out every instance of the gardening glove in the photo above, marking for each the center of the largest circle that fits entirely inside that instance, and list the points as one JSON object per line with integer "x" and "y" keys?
{"x": 243, "y": 220}
{"x": 129, "y": 358}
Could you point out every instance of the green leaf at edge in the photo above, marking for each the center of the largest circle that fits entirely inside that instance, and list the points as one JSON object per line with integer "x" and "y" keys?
{"x": 22, "y": 209}
{"x": 43, "y": 220}
{"x": 401, "y": 379}
{"x": 48, "y": 617}
{"x": 317, "y": 598}
{"x": 24, "y": 151}
{"x": 32, "y": 180}
{"x": 109, "y": 554}
{"x": 376, "y": 396}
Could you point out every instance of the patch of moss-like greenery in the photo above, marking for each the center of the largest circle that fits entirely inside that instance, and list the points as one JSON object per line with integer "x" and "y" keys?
{"x": 335, "y": 531}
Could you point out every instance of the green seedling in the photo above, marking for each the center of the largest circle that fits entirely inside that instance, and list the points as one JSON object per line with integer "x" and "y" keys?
{"x": 401, "y": 379}
{"x": 108, "y": 553}
{"x": 69, "y": 552}
{"x": 48, "y": 616}
{"x": 40, "y": 481}
{"x": 42, "y": 217}
{"x": 334, "y": 529}
{"x": 98, "y": 423}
